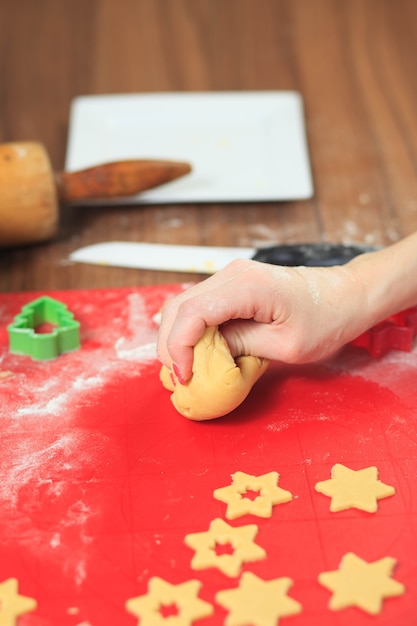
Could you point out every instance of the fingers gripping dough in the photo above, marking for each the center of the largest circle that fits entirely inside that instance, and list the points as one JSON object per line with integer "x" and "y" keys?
{"x": 218, "y": 383}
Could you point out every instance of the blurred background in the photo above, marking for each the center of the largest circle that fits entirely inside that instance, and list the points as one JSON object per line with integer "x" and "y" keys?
{"x": 354, "y": 63}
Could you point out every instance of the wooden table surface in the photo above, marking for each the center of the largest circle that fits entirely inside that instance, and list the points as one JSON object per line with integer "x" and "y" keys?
{"x": 353, "y": 61}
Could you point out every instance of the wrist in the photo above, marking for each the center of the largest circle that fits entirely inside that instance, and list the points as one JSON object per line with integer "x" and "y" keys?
{"x": 358, "y": 314}
{"x": 388, "y": 278}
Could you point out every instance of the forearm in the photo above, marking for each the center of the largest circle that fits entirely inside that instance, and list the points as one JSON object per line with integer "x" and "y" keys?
{"x": 389, "y": 278}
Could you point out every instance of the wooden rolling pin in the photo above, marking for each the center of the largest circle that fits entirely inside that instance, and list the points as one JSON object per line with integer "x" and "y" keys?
{"x": 31, "y": 193}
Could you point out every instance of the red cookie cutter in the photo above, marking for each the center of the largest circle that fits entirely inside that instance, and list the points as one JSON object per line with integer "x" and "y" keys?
{"x": 395, "y": 333}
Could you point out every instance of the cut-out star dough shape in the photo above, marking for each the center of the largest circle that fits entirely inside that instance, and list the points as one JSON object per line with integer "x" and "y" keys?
{"x": 265, "y": 485}
{"x": 13, "y": 605}
{"x": 243, "y": 549}
{"x": 258, "y": 602}
{"x": 359, "y": 489}
{"x": 180, "y": 600}
{"x": 361, "y": 584}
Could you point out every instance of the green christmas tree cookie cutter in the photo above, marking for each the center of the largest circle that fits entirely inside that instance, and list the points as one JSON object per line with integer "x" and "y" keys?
{"x": 64, "y": 337}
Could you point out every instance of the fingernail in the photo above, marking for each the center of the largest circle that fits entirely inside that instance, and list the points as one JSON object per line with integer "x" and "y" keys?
{"x": 178, "y": 374}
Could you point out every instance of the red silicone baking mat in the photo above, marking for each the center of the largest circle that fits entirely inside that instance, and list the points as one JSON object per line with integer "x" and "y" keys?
{"x": 101, "y": 479}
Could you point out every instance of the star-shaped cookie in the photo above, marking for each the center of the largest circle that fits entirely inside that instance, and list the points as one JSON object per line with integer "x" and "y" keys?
{"x": 182, "y": 599}
{"x": 361, "y": 584}
{"x": 241, "y": 543}
{"x": 359, "y": 489}
{"x": 258, "y": 602}
{"x": 12, "y": 605}
{"x": 238, "y": 504}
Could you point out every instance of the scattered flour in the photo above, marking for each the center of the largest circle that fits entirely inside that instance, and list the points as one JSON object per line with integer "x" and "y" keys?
{"x": 38, "y": 476}
{"x": 313, "y": 289}
{"x": 388, "y": 371}
{"x": 299, "y": 418}
{"x": 139, "y": 354}
{"x": 43, "y": 508}
{"x": 120, "y": 346}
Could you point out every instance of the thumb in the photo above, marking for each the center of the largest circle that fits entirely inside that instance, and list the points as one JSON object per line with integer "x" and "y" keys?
{"x": 247, "y": 338}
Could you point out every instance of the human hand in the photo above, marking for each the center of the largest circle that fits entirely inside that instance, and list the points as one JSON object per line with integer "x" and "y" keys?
{"x": 293, "y": 315}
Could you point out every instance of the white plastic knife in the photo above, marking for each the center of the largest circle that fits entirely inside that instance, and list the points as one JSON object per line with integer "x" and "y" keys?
{"x": 166, "y": 257}
{"x": 210, "y": 259}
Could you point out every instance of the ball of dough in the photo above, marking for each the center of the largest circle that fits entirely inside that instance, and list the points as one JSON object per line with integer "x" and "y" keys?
{"x": 218, "y": 383}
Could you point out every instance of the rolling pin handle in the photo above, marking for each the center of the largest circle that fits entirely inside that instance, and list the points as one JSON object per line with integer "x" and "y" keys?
{"x": 30, "y": 191}
{"x": 118, "y": 179}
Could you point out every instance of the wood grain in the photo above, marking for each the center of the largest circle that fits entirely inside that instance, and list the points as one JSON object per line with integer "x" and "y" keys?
{"x": 354, "y": 62}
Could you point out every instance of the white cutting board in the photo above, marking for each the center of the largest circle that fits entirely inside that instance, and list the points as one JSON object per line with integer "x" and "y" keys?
{"x": 243, "y": 146}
